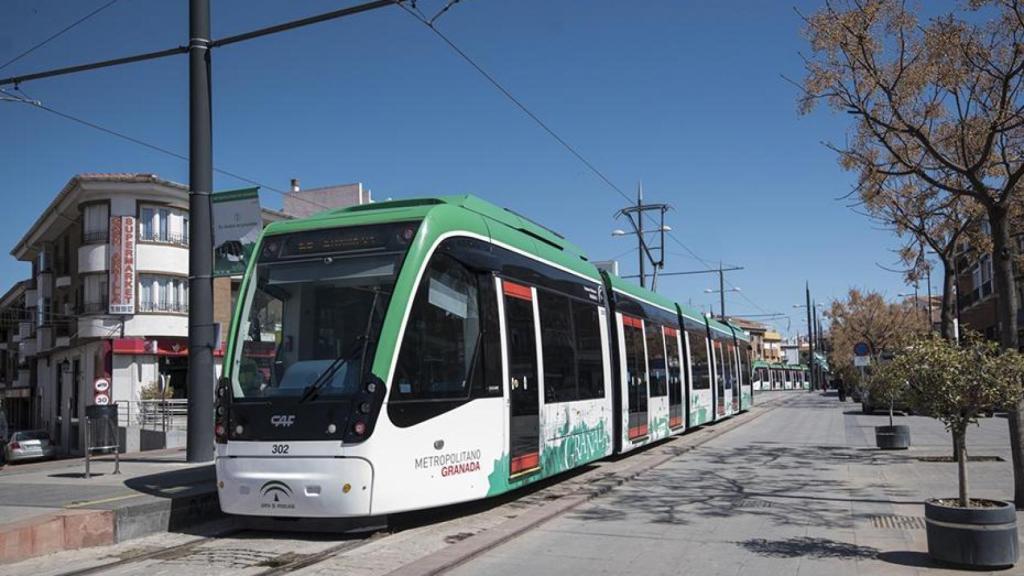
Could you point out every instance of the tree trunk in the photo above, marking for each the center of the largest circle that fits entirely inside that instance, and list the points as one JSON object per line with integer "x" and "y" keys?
{"x": 1007, "y": 305}
{"x": 961, "y": 442}
{"x": 956, "y": 449}
{"x": 948, "y": 301}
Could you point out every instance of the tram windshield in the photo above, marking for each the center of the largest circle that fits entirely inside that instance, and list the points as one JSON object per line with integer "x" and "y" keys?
{"x": 310, "y": 323}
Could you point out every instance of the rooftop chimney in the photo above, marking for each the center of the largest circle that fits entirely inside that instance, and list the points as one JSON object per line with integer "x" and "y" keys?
{"x": 295, "y": 185}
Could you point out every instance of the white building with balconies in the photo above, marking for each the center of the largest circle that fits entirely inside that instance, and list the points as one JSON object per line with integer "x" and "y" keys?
{"x": 72, "y": 337}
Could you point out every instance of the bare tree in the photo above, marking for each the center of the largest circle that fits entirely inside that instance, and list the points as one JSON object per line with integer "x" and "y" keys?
{"x": 926, "y": 219}
{"x": 938, "y": 104}
{"x": 867, "y": 317}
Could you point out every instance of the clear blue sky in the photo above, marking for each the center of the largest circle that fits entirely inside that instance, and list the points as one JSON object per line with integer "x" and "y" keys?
{"x": 687, "y": 96}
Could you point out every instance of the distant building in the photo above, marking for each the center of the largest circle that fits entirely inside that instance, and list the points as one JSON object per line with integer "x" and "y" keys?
{"x": 302, "y": 203}
{"x": 978, "y": 295}
{"x": 756, "y": 330}
{"x": 772, "y": 346}
{"x": 17, "y": 331}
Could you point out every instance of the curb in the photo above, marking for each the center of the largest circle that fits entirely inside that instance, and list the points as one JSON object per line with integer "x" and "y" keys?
{"x": 83, "y": 528}
{"x": 67, "y": 530}
{"x": 461, "y": 552}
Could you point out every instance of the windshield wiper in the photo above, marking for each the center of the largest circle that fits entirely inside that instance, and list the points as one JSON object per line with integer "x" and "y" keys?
{"x": 328, "y": 374}
{"x": 361, "y": 343}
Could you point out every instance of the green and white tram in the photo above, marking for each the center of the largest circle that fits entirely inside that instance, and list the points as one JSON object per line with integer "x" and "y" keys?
{"x": 418, "y": 353}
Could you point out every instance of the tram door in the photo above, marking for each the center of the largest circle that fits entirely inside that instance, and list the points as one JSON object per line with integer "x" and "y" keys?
{"x": 737, "y": 381}
{"x": 716, "y": 346}
{"x": 636, "y": 376}
{"x": 524, "y": 381}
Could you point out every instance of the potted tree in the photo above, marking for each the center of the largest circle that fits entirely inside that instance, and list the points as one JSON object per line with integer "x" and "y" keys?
{"x": 888, "y": 387}
{"x": 956, "y": 385}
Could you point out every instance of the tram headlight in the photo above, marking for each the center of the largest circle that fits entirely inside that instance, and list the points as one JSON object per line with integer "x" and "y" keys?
{"x": 239, "y": 430}
{"x": 364, "y": 407}
{"x": 359, "y": 428}
{"x": 219, "y": 431}
{"x": 371, "y": 387}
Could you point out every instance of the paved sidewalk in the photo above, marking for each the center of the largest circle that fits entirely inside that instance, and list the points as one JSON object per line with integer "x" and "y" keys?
{"x": 50, "y": 506}
{"x": 801, "y": 490}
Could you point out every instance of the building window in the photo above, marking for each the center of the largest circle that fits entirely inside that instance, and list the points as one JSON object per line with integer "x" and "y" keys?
{"x": 163, "y": 294}
{"x": 95, "y": 219}
{"x": 986, "y": 275}
{"x": 163, "y": 224}
{"x": 94, "y": 294}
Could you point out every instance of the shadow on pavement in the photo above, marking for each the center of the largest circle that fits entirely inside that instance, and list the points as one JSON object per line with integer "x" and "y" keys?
{"x": 908, "y": 558}
{"x": 807, "y": 547}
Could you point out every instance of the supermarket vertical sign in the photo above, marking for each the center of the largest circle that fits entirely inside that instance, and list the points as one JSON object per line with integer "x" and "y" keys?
{"x": 122, "y": 265}
{"x": 237, "y": 222}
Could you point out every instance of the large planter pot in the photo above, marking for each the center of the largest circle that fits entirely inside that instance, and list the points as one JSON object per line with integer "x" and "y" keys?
{"x": 976, "y": 537}
{"x": 892, "y": 437}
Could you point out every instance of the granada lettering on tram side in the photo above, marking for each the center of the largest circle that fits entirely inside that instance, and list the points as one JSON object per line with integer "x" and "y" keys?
{"x": 452, "y": 463}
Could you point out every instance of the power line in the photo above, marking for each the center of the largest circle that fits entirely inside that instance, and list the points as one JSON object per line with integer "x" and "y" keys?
{"x": 518, "y": 103}
{"x": 58, "y": 34}
{"x": 163, "y": 150}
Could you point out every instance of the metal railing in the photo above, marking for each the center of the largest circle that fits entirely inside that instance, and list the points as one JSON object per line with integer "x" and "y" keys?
{"x": 98, "y": 307}
{"x": 96, "y": 236}
{"x": 175, "y": 307}
{"x": 160, "y": 415}
{"x": 156, "y": 236}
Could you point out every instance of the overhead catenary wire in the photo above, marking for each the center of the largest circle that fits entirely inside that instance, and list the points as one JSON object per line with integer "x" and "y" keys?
{"x": 161, "y": 149}
{"x": 512, "y": 98}
{"x": 429, "y": 23}
{"x": 58, "y": 34}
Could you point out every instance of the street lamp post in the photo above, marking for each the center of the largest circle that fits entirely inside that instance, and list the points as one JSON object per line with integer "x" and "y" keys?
{"x": 643, "y": 249}
{"x": 721, "y": 292}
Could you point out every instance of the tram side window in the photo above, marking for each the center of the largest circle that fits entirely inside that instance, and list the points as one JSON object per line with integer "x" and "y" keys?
{"x": 558, "y": 347}
{"x": 442, "y": 336}
{"x": 656, "y": 358}
{"x": 635, "y": 357}
{"x": 730, "y": 365}
{"x": 589, "y": 353}
{"x": 699, "y": 358}
{"x": 672, "y": 348}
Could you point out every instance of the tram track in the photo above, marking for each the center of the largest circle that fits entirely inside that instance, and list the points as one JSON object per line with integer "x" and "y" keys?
{"x": 284, "y": 563}
{"x": 152, "y": 554}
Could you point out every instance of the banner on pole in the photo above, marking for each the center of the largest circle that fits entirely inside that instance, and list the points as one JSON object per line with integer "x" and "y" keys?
{"x": 237, "y": 221}
{"x": 122, "y": 265}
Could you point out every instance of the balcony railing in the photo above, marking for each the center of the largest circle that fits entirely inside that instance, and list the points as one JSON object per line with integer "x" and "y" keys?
{"x": 97, "y": 307}
{"x": 95, "y": 236}
{"x": 157, "y": 237}
{"x": 169, "y": 307}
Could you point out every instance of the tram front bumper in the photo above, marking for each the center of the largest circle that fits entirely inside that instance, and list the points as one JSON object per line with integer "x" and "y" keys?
{"x": 295, "y": 487}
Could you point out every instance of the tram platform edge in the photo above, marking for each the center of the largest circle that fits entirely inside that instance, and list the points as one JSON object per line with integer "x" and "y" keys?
{"x": 50, "y": 507}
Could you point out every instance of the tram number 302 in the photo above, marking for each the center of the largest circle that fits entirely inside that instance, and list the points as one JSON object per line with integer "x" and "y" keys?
{"x": 279, "y": 449}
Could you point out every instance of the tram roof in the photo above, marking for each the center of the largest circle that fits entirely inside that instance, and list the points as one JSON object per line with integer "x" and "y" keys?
{"x": 643, "y": 294}
{"x": 455, "y": 212}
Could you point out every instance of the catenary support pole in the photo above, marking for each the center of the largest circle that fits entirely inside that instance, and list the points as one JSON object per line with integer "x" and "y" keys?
{"x": 640, "y": 231}
{"x": 200, "y": 258}
{"x": 810, "y": 337}
{"x": 721, "y": 290}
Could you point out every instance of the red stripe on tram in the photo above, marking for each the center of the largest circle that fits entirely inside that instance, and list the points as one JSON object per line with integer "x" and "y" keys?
{"x": 517, "y": 291}
{"x": 631, "y": 321}
{"x": 675, "y": 421}
{"x": 671, "y": 332}
{"x": 524, "y": 462}
{"x": 638, "y": 431}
